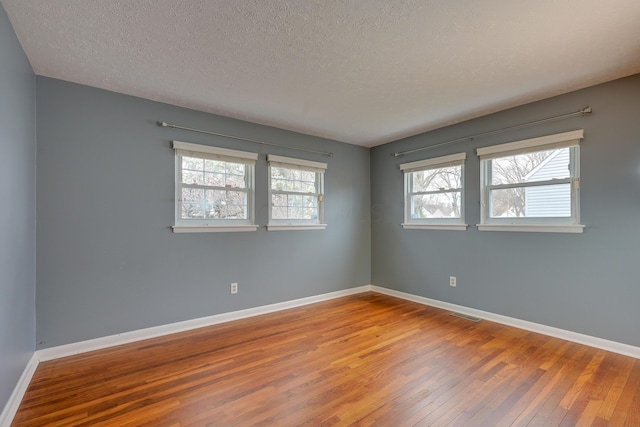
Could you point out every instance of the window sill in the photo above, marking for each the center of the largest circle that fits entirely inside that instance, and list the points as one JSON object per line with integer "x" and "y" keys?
{"x": 533, "y": 228}
{"x": 460, "y": 227}
{"x": 282, "y": 227}
{"x": 212, "y": 228}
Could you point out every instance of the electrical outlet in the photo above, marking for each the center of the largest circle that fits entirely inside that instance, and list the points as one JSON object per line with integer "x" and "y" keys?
{"x": 452, "y": 281}
{"x": 234, "y": 288}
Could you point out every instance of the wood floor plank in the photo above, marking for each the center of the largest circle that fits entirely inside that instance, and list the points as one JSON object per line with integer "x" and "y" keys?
{"x": 555, "y": 367}
{"x": 365, "y": 360}
{"x": 624, "y": 414}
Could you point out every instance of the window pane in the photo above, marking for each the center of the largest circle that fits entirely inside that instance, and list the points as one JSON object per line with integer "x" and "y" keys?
{"x": 236, "y": 198}
{"x": 236, "y": 212}
{"x": 226, "y": 204}
{"x": 551, "y": 201}
{"x": 236, "y": 181}
{"x": 437, "y": 179}
{"x": 278, "y": 184}
{"x": 213, "y": 173}
{"x": 192, "y": 203}
{"x": 279, "y": 199}
{"x": 192, "y": 163}
{"x": 192, "y": 177}
{"x": 296, "y": 174}
{"x": 310, "y": 201}
{"x": 293, "y": 186}
{"x": 442, "y": 205}
{"x": 214, "y": 179}
{"x": 214, "y": 166}
{"x": 277, "y": 173}
{"x": 308, "y": 176}
{"x": 293, "y": 206}
{"x": 310, "y": 213}
{"x": 294, "y": 180}
{"x": 216, "y": 204}
{"x": 192, "y": 211}
{"x": 279, "y": 212}
{"x": 308, "y": 187}
{"x": 531, "y": 167}
{"x": 295, "y": 201}
{"x": 235, "y": 168}
{"x": 295, "y": 213}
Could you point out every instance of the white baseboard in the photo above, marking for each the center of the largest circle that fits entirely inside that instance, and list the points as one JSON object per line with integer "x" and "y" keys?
{"x": 10, "y": 409}
{"x": 172, "y": 328}
{"x": 616, "y": 347}
{"x": 157, "y": 331}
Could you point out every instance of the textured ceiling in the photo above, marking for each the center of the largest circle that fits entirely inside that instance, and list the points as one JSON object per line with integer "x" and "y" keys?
{"x": 362, "y": 71}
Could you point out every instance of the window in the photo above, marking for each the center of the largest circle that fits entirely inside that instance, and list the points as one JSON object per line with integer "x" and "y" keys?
{"x": 296, "y": 192}
{"x": 532, "y": 185}
{"x": 434, "y": 196}
{"x": 214, "y": 189}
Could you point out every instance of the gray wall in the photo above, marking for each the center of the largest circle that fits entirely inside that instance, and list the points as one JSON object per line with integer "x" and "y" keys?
{"x": 17, "y": 215}
{"x": 107, "y": 261}
{"x": 587, "y": 283}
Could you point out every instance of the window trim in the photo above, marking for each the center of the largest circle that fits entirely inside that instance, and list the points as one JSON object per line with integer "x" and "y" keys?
{"x": 409, "y": 223}
{"x": 547, "y": 142}
{"x": 216, "y": 153}
{"x": 569, "y": 224}
{"x": 307, "y": 165}
{"x": 533, "y": 228}
{"x": 183, "y": 229}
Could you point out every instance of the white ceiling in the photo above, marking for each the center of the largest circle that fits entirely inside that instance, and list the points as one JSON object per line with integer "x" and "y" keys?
{"x": 364, "y": 72}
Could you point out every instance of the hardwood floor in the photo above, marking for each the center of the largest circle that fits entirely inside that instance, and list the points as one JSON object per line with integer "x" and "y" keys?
{"x": 366, "y": 359}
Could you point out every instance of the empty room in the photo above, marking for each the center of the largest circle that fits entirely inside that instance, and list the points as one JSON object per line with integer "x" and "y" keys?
{"x": 285, "y": 213}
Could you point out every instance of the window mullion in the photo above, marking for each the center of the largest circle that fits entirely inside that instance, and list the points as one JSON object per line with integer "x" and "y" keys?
{"x": 530, "y": 184}
{"x": 211, "y": 187}
{"x": 449, "y": 190}
{"x": 294, "y": 193}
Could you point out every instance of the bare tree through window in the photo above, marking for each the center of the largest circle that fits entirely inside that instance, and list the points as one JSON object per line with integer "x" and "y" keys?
{"x": 510, "y": 202}
{"x": 438, "y": 193}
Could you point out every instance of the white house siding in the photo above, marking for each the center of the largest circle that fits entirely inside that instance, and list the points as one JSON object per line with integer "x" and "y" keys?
{"x": 550, "y": 200}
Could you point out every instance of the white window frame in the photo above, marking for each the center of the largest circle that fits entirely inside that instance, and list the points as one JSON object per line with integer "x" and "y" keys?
{"x": 569, "y": 224}
{"x": 215, "y": 153}
{"x": 305, "y": 165}
{"x": 431, "y": 164}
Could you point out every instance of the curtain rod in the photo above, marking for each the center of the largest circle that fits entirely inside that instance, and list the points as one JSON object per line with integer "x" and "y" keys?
{"x": 585, "y": 110}
{"x": 168, "y": 125}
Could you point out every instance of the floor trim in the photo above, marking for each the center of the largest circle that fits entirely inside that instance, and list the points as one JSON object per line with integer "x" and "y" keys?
{"x": 613, "y": 346}
{"x": 172, "y": 328}
{"x": 157, "y": 331}
{"x": 11, "y": 408}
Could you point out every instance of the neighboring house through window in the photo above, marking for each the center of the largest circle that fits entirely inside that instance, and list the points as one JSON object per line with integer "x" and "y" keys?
{"x": 532, "y": 185}
{"x": 214, "y": 189}
{"x": 434, "y": 193}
